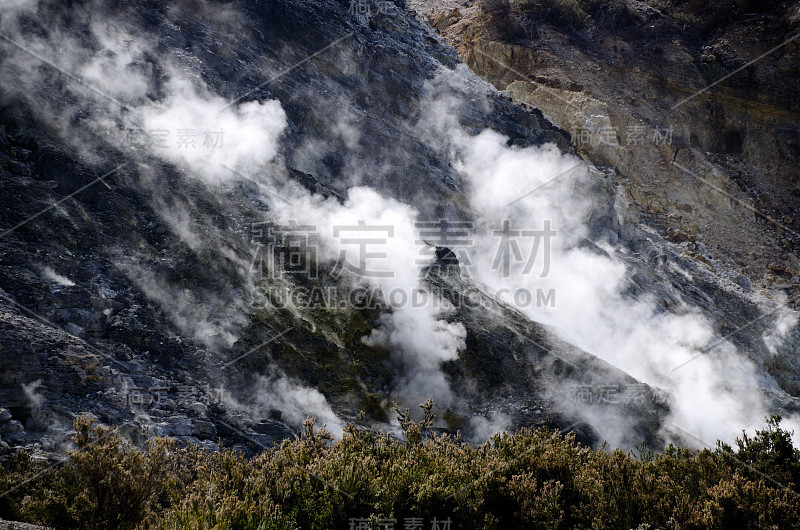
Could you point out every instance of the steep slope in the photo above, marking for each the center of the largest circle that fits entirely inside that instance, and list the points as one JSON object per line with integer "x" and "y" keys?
{"x": 176, "y": 174}
{"x": 690, "y": 109}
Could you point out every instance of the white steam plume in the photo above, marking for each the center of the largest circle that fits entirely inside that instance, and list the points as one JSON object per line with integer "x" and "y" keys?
{"x": 211, "y": 139}
{"x": 419, "y": 334}
{"x": 591, "y": 311}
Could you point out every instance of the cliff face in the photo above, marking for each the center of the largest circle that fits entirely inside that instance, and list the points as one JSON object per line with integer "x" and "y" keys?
{"x": 161, "y": 159}
{"x": 690, "y": 109}
{"x": 699, "y": 129}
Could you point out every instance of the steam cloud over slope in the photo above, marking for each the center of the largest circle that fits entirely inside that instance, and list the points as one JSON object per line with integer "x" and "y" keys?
{"x": 129, "y": 86}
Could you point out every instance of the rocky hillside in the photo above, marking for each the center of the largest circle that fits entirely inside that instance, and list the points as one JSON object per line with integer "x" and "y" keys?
{"x": 691, "y": 108}
{"x": 183, "y": 181}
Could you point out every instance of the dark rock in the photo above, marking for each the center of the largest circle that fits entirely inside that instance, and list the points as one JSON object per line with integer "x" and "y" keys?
{"x": 273, "y": 429}
{"x": 204, "y": 430}
{"x": 744, "y": 282}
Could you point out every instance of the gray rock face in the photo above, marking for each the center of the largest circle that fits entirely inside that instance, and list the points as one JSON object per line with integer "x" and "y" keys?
{"x": 204, "y": 430}
{"x": 143, "y": 324}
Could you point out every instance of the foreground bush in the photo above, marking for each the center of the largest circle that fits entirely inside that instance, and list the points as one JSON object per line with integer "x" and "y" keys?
{"x": 529, "y": 479}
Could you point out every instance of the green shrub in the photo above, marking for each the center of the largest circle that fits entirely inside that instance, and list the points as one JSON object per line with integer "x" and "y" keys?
{"x": 105, "y": 483}
{"x": 528, "y": 479}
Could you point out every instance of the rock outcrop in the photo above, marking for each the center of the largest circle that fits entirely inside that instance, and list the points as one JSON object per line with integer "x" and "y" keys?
{"x": 127, "y": 284}
{"x": 699, "y": 134}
